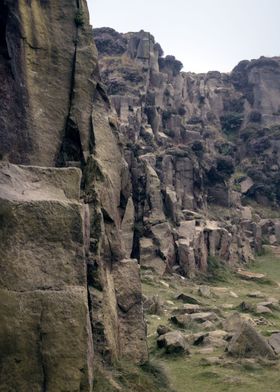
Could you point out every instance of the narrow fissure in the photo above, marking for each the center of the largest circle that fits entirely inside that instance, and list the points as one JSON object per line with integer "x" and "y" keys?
{"x": 44, "y": 372}
{"x": 138, "y": 197}
{"x": 71, "y": 151}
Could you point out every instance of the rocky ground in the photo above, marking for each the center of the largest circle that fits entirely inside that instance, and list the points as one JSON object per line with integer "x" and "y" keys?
{"x": 220, "y": 334}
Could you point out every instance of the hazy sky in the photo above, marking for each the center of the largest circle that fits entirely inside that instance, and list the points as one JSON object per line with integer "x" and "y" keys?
{"x": 203, "y": 34}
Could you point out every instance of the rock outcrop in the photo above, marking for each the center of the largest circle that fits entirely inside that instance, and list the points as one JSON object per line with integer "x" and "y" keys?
{"x": 202, "y": 150}
{"x": 65, "y": 207}
{"x": 148, "y": 165}
{"x": 45, "y": 329}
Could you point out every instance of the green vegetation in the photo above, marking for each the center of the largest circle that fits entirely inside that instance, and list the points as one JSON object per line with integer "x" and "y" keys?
{"x": 79, "y": 18}
{"x": 265, "y": 212}
{"x": 231, "y": 122}
{"x": 255, "y": 116}
{"x": 195, "y": 373}
{"x": 125, "y": 377}
{"x": 218, "y": 271}
{"x": 191, "y": 375}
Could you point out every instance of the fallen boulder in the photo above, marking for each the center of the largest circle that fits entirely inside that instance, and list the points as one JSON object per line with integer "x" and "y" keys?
{"x": 173, "y": 342}
{"x": 248, "y": 275}
{"x": 247, "y": 342}
{"x": 274, "y": 342}
{"x": 162, "y": 330}
{"x": 188, "y": 299}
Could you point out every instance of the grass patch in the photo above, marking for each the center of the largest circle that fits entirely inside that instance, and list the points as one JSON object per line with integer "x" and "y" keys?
{"x": 268, "y": 264}
{"x": 218, "y": 271}
{"x": 126, "y": 377}
{"x": 187, "y": 373}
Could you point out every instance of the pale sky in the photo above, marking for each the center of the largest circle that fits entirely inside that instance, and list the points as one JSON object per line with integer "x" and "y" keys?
{"x": 203, "y": 34}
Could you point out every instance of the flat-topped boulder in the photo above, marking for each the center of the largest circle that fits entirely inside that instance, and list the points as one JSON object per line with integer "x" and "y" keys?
{"x": 248, "y": 275}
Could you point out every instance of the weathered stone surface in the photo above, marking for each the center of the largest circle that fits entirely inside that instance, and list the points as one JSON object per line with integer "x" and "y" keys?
{"x": 45, "y": 50}
{"x": 248, "y": 275}
{"x": 186, "y": 258}
{"x": 43, "y": 281}
{"x": 149, "y": 258}
{"x": 261, "y": 309}
{"x": 203, "y": 316}
{"x": 213, "y": 338}
{"x": 153, "y": 305}
{"x": 45, "y": 340}
{"x": 247, "y": 342}
{"x": 194, "y": 129}
{"x": 183, "y": 136}
{"x": 162, "y": 330}
{"x": 127, "y": 227}
{"x": 274, "y": 342}
{"x": 57, "y": 252}
{"x": 182, "y": 320}
{"x": 173, "y": 342}
{"x": 188, "y": 299}
{"x": 130, "y": 310}
{"x": 205, "y": 291}
{"x": 233, "y": 322}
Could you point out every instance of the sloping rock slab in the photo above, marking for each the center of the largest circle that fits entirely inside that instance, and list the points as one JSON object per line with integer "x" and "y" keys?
{"x": 188, "y": 299}
{"x": 248, "y": 275}
{"x": 274, "y": 342}
{"x": 247, "y": 342}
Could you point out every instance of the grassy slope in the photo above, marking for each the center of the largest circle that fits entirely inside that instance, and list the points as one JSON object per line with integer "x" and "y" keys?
{"x": 187, "y": 374}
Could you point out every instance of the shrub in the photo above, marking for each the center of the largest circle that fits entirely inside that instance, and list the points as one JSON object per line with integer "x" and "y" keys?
{"x": 255, "y": 116}
{"x": 247, "y": 133}
{"x": 167, "y": 114}
{"x": 197, "y": 146}
{"x": 231, "y": 122}
{"x": 201, "y": 100}
{"x": 79, "y": 18}
{"x": 225, "y": 165}
{"x": 182, "y": 111}
{"x": 217, "y": 270}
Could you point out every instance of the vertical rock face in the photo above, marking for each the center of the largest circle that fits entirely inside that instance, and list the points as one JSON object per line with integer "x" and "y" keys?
{"x": 45, "y": 333}
{"x": 48, "y": 61}
{"x": 65, "y": 232}
{"x": 201, "y": 148}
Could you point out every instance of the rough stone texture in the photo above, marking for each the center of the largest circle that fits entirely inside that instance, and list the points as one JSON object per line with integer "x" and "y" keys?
{"x": 247, "y": 342}
{"x": 173, "y": 342}
{"x": 195, "y": 148}
{"x": 192, "y": 145}
{"x": 60, "y": 236}
{"x": 45, "y": 334}
{"x": 132, "y": 335}
{"x": 274, "y": 341}
{"x": 43, "y": 40}
{"x": 127, "y": 227}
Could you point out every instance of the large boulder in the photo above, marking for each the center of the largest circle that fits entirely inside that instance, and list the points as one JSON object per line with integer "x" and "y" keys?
{"x": 247, "y": 342}
{"x": 274, "y": 342}
{"x": 173, "y": 342}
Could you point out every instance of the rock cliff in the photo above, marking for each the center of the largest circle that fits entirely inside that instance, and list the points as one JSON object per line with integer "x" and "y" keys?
{"x": 144, "y": 165}
{"x": 64, "y": 306}
{"x": 203, "y": 152}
